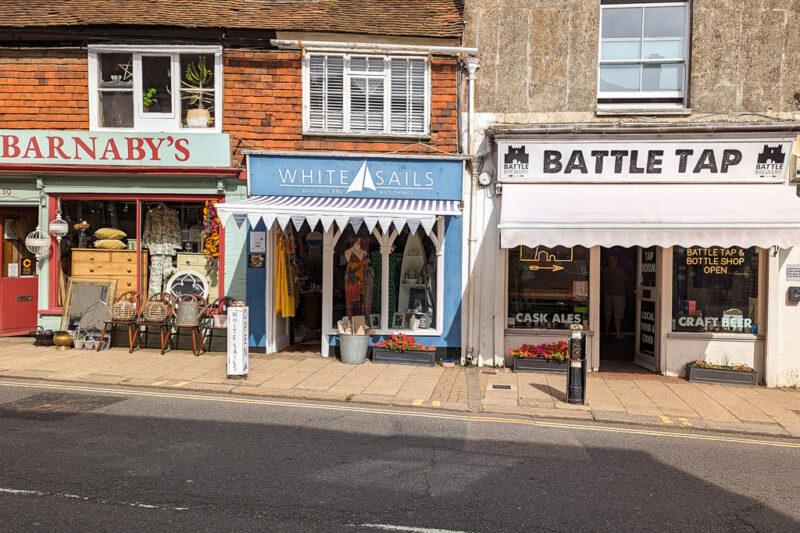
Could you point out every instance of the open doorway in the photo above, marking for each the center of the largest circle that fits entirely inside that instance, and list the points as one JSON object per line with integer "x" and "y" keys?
{"x": 618, "y": 309}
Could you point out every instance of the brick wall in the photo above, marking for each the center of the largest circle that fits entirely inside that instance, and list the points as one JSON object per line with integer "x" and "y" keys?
{"x": 264, "y": 110}
{"x": 44, "y": 89}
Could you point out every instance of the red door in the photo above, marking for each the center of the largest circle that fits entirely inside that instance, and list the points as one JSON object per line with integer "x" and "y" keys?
{"x": 18, "y": 283}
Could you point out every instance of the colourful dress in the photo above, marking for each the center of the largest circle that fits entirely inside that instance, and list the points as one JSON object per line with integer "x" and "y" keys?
{"x": 355, "y": 283}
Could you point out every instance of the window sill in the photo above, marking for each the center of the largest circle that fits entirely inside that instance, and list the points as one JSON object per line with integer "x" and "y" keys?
{"x": 150, "y": 131}
{"x": 383, "y": 332}
{"x": 368, "y": 136}
{"x": 542, "y": 332}
{"x": 608, "y": 110}
{"x": 735, "y": 337}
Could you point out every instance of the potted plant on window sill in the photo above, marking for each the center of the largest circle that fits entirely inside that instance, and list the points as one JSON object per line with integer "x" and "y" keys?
{"x": 729, "y": 374}
{"x": 403, "y": 350}
{"x": 198, "y": 80}
{"x": 547, "y": 357}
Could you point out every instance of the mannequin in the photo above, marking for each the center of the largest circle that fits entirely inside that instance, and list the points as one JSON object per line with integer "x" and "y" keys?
{"x": 162, "y": 237}
{"x": 355, "y": 278}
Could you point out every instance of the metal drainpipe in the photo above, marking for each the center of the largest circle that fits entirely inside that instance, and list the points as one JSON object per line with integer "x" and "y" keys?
{"x": 336, "y": 45}
{"x": 472, "y": 64}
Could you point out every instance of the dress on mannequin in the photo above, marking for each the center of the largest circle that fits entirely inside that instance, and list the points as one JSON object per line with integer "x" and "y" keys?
{"x": 162, "y": 236}
{"x": 355, "y": 279}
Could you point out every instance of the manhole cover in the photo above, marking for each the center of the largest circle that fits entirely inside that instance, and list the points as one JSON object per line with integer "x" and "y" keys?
{"x": 55, "y": 405}
{"x": 501, "y": 387}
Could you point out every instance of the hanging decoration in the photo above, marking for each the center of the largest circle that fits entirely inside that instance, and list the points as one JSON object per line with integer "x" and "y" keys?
{"x": 38, "y": 243}
{"x": 58, "y": 227}
{"x": 212, "y": 225}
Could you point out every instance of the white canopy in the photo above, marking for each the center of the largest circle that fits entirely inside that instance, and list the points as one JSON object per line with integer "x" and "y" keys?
{"x": 343, "y": 211}
{"x": 665, "y": 215}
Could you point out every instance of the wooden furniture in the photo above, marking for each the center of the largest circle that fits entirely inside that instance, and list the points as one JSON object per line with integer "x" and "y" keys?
{"x": 135, "y": 301}
{"x": 156, "y": 312}
{"x": 219, "y": 309}
{"x": 111, "y": 264}
{"x": 189, "y": 318}
{"x": 199, "y": 262}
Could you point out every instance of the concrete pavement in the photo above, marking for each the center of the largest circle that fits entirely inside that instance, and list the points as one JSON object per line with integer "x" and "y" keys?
{"x": 634, "y": 399}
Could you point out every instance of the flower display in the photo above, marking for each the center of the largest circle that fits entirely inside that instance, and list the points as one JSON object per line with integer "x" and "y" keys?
{"x": 401, "y": 342}
{"x": 82, "y": 225}
{"x": 211, "y": 225}
{"x": 552, "y": 351}
{"x": 734, "y": 366}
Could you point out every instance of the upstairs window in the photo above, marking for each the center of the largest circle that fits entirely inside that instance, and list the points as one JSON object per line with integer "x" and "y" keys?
{"x": 155, "y": 88}
{"x": 366, "y": 94}
{"x": 644, "y": 52}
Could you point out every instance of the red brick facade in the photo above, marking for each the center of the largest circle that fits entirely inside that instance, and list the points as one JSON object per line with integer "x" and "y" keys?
{"x": 48, "y": 89}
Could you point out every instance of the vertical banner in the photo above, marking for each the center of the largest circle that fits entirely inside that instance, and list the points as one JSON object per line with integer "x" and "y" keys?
{"x": 238, "y": 335}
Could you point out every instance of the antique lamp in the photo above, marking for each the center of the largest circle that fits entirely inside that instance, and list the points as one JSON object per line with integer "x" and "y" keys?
{"x": 38, "y": 243}
{"x": 58, "y": 227}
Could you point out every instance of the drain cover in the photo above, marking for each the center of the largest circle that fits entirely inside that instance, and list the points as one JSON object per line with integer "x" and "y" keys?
{"x": 55, "y": 405}
{"x": 501, "y": 387}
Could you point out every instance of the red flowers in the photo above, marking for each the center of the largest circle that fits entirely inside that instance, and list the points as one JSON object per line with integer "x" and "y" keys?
{"x": 401, "y": 342}
{"x": 553, "y": 351}
{"x": 734, "y": 366}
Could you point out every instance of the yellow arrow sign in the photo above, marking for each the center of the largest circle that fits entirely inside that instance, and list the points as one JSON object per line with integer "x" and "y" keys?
{"x": 554, "y": 268}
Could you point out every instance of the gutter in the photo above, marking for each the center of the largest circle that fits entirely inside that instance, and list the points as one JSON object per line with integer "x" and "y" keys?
{"x": 374, "y": 47}
{"x": 623, "y": 128}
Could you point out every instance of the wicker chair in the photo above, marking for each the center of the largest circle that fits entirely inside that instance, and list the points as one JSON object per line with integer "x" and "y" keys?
{"x": 218, "y": 307}
{"x": 189, "y": 310}
{"x": 156, "y": 312}
{"x": 124, "y": 312}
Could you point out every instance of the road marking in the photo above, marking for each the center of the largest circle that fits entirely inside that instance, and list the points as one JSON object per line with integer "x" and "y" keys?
{"x": 157, "y": 383}
{"x": 390, "y": 527}
{"x": 436, "y": 403}
{"x": 39, "y": 493}
{"x": 666, "y": 419}
{"x": 181, "y": 384}
{"x": 685, "y": 422}
{"x": 400, "y": 412}
{"x": 416, "y": 402}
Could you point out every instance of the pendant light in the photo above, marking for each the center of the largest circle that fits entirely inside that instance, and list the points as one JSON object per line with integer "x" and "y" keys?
{"x": 58, "y": 227}
{"x": 38, "y": 243}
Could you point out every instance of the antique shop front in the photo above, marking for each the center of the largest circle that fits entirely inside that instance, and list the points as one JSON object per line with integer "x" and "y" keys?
{"x": 665, "y": 248}
{"x": 333, "y": 236}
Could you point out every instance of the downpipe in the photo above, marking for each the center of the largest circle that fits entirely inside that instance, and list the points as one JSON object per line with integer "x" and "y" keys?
{"x": 472, "y": 65}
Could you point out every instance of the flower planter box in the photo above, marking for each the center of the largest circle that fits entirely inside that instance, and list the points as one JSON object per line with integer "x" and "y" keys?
{"x": 404, "y": 357}
{"x": 539, "y": 364}
{"x": 698, "y": 374}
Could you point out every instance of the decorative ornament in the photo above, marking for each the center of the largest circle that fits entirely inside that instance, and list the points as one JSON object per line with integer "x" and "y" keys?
{"x": 211, "y": 224}
{"x": 38, "y": 243}
{"x": 58, "y": 227}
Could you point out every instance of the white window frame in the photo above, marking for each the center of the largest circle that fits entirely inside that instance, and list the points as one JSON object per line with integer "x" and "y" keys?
{"x": 166, "y": 122}
{"x": 387, "y": 97}
{"x": 646, "y": 95}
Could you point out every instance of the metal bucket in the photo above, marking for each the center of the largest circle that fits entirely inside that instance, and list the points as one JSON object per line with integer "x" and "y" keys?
{"x": 187, "y": 313}
{"x": 353, "y": 348}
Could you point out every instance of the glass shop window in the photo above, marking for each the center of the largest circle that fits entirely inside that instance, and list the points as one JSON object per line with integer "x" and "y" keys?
{"x": 548, "y": 288}
{"x": 715, "y": 290}
{"x": 356, "y": 277}
{"x": 115, "y": 90}
{"x": 412, "y": 282}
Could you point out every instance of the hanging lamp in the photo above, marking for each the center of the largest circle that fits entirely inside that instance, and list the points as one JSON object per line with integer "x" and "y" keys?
{"x": 58, "y": 227}
{"x": 38, "y": 243}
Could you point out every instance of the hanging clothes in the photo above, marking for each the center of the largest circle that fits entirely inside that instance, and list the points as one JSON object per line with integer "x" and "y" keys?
{"x": 285, "y": 284}
{"x": 162, "y": 237}
{"x": 355, "y": 280}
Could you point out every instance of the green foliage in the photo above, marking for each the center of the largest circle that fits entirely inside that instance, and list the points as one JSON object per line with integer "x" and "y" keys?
{"x": 147, "y": 97}
{"x": 197, "y": 81}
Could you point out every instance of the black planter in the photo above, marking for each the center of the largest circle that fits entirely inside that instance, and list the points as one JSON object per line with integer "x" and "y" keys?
{"x": 538, "y": 364}
{"x": 698, "y": 374}
{"x": 409, "y": 357}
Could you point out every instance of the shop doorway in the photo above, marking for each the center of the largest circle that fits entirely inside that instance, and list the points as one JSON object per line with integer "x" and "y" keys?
{"x": 18, "y": 270}
{"x": 628, "y": 308}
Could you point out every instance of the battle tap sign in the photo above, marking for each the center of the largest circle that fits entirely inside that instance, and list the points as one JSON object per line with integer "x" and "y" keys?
{"x": 715, "y": 260}
{"x": 761, "y": 160}
{"x": 543, "y": 258}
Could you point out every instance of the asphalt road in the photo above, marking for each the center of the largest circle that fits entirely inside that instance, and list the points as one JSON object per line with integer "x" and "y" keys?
{"x": 84, "y": 458}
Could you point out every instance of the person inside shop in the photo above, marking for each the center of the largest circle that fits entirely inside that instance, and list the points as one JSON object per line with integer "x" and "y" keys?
{"x": 613, "y": 281}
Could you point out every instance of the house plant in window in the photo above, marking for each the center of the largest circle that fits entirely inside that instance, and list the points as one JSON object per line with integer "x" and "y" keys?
{"x": 727, "y": 373}
{"x": 404, "y": 350}
{"x": 546, "y": 357}
{"x": 197, "y": 92}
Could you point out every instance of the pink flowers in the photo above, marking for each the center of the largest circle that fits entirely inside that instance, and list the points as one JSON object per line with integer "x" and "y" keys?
{"x": 552, "y": 351}
{"x": 402, "y": 342}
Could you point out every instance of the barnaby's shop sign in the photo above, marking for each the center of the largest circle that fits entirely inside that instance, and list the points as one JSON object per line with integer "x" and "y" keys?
{"x": 659, "y": 160}
{"x": 42, "y": 147}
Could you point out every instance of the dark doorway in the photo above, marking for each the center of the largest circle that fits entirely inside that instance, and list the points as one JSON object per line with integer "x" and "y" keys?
{"x": 618, "y": 309}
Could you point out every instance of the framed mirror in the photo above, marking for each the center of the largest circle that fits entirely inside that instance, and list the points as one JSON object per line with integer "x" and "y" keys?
{"x": 188, "y": 282}
{"x": 81, "y": 294}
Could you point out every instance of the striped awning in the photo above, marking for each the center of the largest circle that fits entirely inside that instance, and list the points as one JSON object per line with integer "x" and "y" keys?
{"x": 383, "y": 212}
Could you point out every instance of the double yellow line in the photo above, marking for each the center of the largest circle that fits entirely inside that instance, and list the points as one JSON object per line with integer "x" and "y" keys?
{"x": 487, "y": 419}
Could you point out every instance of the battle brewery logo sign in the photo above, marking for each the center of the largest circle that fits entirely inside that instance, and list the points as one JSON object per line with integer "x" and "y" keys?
{"x": 658, "y": 160}
{"x": 357, "y": 177}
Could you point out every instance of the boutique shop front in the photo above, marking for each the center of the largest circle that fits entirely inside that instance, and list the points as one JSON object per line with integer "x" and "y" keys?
{"x": 665, "y": 248}
{"x": 351, "y": 235}
{"x": 136, "y": 211}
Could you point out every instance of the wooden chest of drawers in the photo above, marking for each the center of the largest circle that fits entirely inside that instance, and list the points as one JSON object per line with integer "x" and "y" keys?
{"x": 199, "y": 263}
{"x": 111, "y": 264}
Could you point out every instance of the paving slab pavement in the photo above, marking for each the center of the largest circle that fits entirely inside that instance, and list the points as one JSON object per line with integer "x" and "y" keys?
{"x": 645, "y": 400}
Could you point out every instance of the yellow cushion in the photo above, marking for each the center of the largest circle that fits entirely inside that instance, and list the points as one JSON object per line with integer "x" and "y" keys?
{"x": 109, "y": 233}
{"x": 109, "y": 244}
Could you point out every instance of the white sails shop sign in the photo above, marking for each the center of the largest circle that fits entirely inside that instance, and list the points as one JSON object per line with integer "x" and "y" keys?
{"x": 762, "y": 160}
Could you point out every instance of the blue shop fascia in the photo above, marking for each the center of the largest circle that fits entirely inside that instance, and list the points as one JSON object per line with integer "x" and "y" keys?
{"x": 352, "y": 235}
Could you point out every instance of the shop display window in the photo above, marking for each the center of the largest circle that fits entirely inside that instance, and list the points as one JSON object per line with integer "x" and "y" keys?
{"x": 17, "y": 261}
{"x": 715, "y": 290}
{"x": 356, "y": 276}
{"x": 548, "y": 288}
{"x": 412, "y": 282}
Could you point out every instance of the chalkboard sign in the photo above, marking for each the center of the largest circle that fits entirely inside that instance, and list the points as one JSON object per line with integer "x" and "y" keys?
{"x": 647, "y": 328}
{"x": 648, "y": 267}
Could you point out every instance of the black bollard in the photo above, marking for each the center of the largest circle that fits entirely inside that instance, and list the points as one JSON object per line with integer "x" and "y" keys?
{"x": 576, "y": 377}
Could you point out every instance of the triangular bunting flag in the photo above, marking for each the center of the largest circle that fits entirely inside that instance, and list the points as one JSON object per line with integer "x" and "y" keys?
{"x": 224, "y": 217}
{"x": 253, "y": 219}
{"x": 413, "y": 225}
{"x": 239, "y": 218}
{"x": 312, "y": 221}
{"x": 283, "y": 220}
{"x": 427, "y": 224}
{"x": 385, "y": 223}
{"x": 327, "y": 221}
{"x": 370, "y": 222}
{"x": 342, "y": 221}
{"x": 269, "y": 220}
{"x": 298, "y": 220}
{"x": 356, "y": 223}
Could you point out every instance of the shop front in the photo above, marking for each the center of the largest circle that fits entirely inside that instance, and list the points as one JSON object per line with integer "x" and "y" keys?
{"x": 138, "y": 211}
{"x": 666, "y": 249}
{"x": 336, "y": 238}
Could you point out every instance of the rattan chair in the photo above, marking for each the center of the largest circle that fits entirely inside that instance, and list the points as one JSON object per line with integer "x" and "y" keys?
{"x": 218, "y": 308}
{"x": 156, "y": 312}
{"x": 124, "y": 312}
{"x": 189, "y": 310}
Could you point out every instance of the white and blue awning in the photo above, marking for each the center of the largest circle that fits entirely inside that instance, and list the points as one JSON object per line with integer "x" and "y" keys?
{"x": 383, "y": 212}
